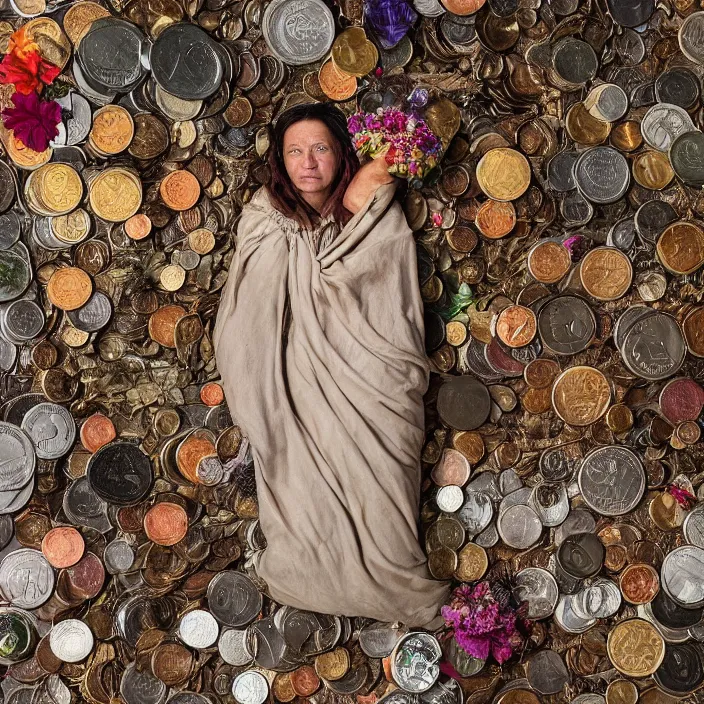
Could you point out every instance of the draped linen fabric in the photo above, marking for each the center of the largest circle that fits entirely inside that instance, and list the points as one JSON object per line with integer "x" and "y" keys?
{"x": 319, "y": 343}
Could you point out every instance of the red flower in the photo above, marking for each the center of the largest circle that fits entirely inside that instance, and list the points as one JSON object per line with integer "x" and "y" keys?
{"x": 33, "y": 120}
{"x": 28, "y": 73}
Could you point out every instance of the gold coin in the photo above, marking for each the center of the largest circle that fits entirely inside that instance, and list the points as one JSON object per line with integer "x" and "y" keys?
{"x": 72, "y": 227}
{"x": 619, "y": 418}
{"x": 635, "y": 648}
{"x": 54, "y": 189}
{"x": 581, "y": 395}
{"x": 333, "y": 665}
{"x": 73, "y": 337}
{"x": 112, "y": 130}
{"x": 201, "y": 241}
{"x": 621, "y": 692}
{"x": 353, "y": 53}
{"x": 79, "y": 18}
{"x": 172, "y": 277}
{"x": 442, "y": 563}
{"x": 503, "y": 174}
{"x": 336, "y": 83}
{"x": 115, "y": 194}
{"x": 680, "y": 247}
{"x": 443, "y": 118}
{"x": 53, "y": 44}
{"x": 456, "y": 332}
{"x": 472, "y": 563}
{"x": 666, "y": 513}
{"x": 69, "y": 288}
{"x": 652, "y": 170}
{"x": 30, "y": 8}
{"x": 584, "y": 128}
{"x": 22, "y": 156}
{"x": 626, "y": 136}
{"x": 606, "y": 273}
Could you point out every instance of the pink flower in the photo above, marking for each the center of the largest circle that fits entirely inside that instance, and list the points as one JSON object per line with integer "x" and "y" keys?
{"x": 436, "y": 217}
{"x": 33, "y": 120}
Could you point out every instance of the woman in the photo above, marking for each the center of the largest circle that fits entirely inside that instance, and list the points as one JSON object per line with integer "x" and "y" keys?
{"x": 319, "y": 342}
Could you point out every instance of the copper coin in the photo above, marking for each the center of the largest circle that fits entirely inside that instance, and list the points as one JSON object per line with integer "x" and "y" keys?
{"x": 518, "y": 696}
{"x": 112, "y": 130}
{"x": 626, "y": 136}
{"x": 30, "y": 529}
{"x": 652, "y": 169}
{"x": 282, "y": 688}
{"x": 335, "y": 83}
{"x": 606, "y": 273}
{"x": 97, "y": 430}
{"x": 516, "y": 326}
{"x": 63, "y": 546}
{"x": 548, "y": 262}
{"x": 162, "y": 324}
{"x": 495, "y": 219}
{"x": 462, "y": 238}
{"x": 616, "y": 558}
{"x": 180, "y": 190}
{"x": 190, "y": 452}
{"x": 69, "y": 288}
{"x": 166, "y": 523}
{"x": 44, "y": 355}
{"x": 540, "y": 373}
{"x": 85, "y": 579}
{"x": 693, "y": 329}
{"x": 452, "y": 470}
{"x": 680, "y": 247}
{"x": 239, "y": 112}
{"x": 138, "y": 226}
{"x": 463, "y": 7}
{"x": 619, "y": 418}
{"x": 172, "y": 664}
{"x": 681, "y": 399}
{"x": 688, "y": 432}
{"x": 455, "y": 180}
{"x": 305, "y": 681}
{"x": 639, "y": 584}
{"x": 211, "y": 394}
{"x": 581, "y": 395}
{"x": 537, "y": 401}
{"x": 470, "y": 444}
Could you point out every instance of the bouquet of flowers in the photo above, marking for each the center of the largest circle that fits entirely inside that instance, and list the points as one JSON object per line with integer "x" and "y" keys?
{"x": 409, "y": 146}
{"x": 483, "y": 623}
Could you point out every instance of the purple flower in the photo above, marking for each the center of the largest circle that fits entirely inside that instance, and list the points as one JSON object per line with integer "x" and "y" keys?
{"x": 33, "y": 120}
{"x": 480, "y": 624}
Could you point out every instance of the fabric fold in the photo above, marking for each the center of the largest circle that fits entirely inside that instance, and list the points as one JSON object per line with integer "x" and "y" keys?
{"x": 334, "y": 409}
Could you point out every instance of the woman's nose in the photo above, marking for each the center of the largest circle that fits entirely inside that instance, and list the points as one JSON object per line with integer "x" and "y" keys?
{"x": 310, "y": 160}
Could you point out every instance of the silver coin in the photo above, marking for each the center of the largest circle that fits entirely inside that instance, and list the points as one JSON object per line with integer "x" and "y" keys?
{"x": 611, "y": 480}
{"x": 415, "y": 662}
{"x": 71, "y": 640}
{"x": 624, "y": 322}
{"x": 485, "y": 482}
{"x": 298, "y": 32}
{"x": 476, "y": 512}
{"x": 663, "y": 123}
{"x": 118, "y": 556}
{"x": 601, "y": 599}
{"x": 84, "y": 507}
{"x": 693, "y": 526}
{"x": 232, "y": 646}
{"x": 561, "y": 171}
{"x": 16, "y": 272}
{"x": 579, "y": 520}
{"x": 488, "y": 537}
{"x": 567, "y": 619}
{"x": 377, "y": 640}
{"x": 13, "y": 500}
{"x": 555, "y": 465}
{"x": 589, "y": 699}
{"x": 549, "y": 500}
{"x": 654, "y": 347}
{"x": 576, "y": 209}
{"x": 519, "y": 527}
{"x": 516, "y": 498}
{"x": 198, "y": 629}
{"x": 546, "y": 672}
{"x": 682, "y": 575}
{"x": 233, "y": 598}
{"x": 622, "y": 234}
{"x": 188, "y": 698}
{"x": 8, "y": 355}
{"x": 602, "y": 175}
{"x": 611, "y": 102}
{"x": 449, "y": 498}
{"x": 652, "y": 218}
{"x": 26, "y": 578}
{"x": 566, "y": 325}
{"x": 17, "y": 457}
{"x": 250, "y": 687}
{"x": 94, "y": 315}
{"x": 23, "y": 320}
{"x": 538, "y": 588}
{"x": 141, "y": 687}
{"x": 51, "y": 428}
{"x": 429, "y": 8}
{"x": 9, "y": 223}
{"x": 462, "y": 661}
{"x": 691, "y": 37}
{"x": 509, "y": 482}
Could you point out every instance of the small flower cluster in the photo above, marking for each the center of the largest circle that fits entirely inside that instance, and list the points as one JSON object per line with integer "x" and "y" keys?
{"x": 413, "y": 150}
{"x": 481, "y": 624}
{"x": 33, "y": 120}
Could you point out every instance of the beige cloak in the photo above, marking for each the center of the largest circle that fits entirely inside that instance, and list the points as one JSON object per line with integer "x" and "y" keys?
{"x": 332, "y": 404}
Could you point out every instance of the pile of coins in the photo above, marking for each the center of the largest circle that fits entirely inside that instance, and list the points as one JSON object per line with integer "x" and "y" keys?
{"x": 559, "y": 255}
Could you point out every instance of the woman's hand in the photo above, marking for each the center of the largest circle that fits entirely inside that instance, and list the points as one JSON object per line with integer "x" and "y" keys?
{"x": 373, "y": 174}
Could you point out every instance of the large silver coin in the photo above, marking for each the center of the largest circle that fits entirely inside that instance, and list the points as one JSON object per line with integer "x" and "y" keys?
{"x": 17, "y": 457}
{"x": 232, "y": 647}
{"x": 538, "y": 588}
{"x": 141, "y": 687}
{"x": 602, "y": 175}
{"x": 567, "y": 619}
{"x": 233, "y": 598}
{"x": 298, "y": 32}
{"x": 691, "y": 37}
{"x": 654, "y": 348}
{"x": 51, "y": 428}
{"x": 663, "y": 123}
{"x": 566, "y": 324}
{"x": 693, "y": 526}
{"x": 198, "y": 629}
{"x": 519, "y": 527}
{"x": 71, "y": 640}
{"x": 476, "y": 512}
{"x": 15, "y": 272}
{"x": 415, "y": 662}
{"x": 601, "y": 599}
{"x": 250, "y": 687}
{"x": 26, "y": 578}
{"x": 611, "y": 480}
{"x": 682, "y": 575}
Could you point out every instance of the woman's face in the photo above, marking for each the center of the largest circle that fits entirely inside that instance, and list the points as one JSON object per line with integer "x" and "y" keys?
{"x": 310, "y": 160}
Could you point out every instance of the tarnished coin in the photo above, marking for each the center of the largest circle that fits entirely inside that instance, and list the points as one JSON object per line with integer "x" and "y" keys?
{"x": 581, "y": 556}
{"x": 538, "y": 588}
{"x": 566, "y": 325}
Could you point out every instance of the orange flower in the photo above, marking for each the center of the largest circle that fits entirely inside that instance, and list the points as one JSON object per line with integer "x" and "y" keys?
{"x": 29, "y": 74}
{"x": 21, "y": 45}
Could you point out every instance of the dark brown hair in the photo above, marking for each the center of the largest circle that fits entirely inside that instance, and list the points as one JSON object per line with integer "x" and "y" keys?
{"x": 282, "y": 193}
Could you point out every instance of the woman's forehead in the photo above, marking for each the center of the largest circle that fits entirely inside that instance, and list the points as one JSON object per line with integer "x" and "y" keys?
{"x": 308, "y": 130}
